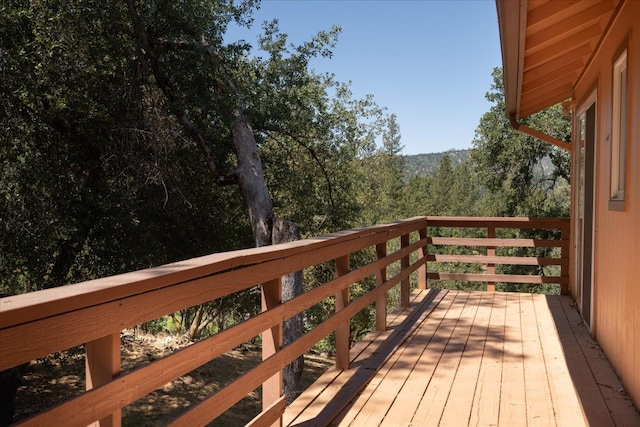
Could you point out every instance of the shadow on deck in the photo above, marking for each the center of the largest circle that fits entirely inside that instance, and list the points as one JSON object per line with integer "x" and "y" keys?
{"x": 472, "y": 358}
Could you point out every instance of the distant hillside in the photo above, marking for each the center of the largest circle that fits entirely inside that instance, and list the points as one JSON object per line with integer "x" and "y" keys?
{"x": 427, "y": 164}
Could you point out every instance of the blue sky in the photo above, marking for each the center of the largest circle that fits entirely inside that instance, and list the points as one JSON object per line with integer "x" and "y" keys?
{"x": 428, "y": 61}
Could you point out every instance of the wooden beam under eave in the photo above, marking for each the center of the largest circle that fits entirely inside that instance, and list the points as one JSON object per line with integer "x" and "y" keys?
{"x": 557, "y": 64}
{"x": 551, "y": 94}
{"x": 570, "y": 25}
{"x": 540, "y": 135}
{"x": 544, "y": 65}
{"x": 534, "y": 4}
{"x": 556, "y": 79}
{"x": 562, "y": 85}
{"x": 589, "y": 35}
{"x": 540, "y": 16}
{"x": 531, "y": 106}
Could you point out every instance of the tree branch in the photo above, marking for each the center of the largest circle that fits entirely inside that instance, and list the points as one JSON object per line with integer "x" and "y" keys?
{"x": 163, "y": 82}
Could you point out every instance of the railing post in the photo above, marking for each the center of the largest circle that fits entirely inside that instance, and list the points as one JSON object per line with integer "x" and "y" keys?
{"x": 271, "y": 343}
{"x": 343, "y": 332}
{"x": 102, "y": 364}
{"x": 404, "y": 265}
{"x": 491, "y": 251}
{"x": 422, "y": 270}
{"x": 564, "y": 269}
{"x": 381, "y": 277}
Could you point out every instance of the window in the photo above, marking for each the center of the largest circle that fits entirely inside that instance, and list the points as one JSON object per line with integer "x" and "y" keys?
{"x": 619, "y": 133}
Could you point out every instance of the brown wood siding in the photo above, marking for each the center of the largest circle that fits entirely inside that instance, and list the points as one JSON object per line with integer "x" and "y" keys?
{"x": 616, "y": 321}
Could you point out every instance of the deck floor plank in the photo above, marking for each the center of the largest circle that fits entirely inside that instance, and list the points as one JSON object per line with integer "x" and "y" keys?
{"x": 460, "y": 402}
{"x": 618, "y": 404}
{"x": 539, "y": 411}
{"x": 486, "y": 400}
{"x": 430, "y": 348}
{"x": 564, "y": 398}
{"x": 461, "y": 399}
{"x": 593, "y": 405}
{"x": 457, "y": 330}
{"x": 308, "y": 406}
{"x": 355, "y": 414}
{"x": 513, "y": 411}
{"x": 476, "y": 359}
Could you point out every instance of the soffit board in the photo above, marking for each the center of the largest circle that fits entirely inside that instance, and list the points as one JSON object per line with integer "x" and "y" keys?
{"x": 546, "y": 44}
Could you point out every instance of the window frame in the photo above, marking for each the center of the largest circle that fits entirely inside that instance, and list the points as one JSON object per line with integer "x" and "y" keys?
{"x": 619, "y": 132}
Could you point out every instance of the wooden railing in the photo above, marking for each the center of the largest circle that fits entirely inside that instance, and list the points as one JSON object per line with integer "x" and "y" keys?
{"x": 489, "y": 260}
{"x": 94, "y": 313}
{"x": 38, "y": 324}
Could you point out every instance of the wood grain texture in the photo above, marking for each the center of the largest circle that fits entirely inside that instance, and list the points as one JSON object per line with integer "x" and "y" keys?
{"x": 482, "y": 359}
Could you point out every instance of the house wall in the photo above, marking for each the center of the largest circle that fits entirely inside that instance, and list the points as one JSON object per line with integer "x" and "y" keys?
{"x": 616, "y": 306}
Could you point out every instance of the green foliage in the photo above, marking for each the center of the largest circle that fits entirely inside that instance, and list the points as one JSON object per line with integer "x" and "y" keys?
{"x": 381, "y": 179}
{"x": 507, "y": 160}
{"x": 99, "y": 177}
{"x": 449, "y": 192}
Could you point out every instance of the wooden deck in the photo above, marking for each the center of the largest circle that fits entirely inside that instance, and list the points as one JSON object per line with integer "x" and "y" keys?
{"x": 472, "y": 358}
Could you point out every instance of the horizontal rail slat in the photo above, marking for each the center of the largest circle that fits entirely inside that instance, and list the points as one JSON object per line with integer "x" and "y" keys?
{"x": 222, "y": 400}
{"x": 83, "y": 325}
{"x": 510, "y": 260}
{"x": 498, "y": 222}
{"x": 506, "y": 243}
{"x": 506, "y": 278}
{"x": 133, "y": 385}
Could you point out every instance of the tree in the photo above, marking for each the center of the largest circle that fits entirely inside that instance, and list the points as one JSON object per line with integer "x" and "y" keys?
{"x": 510, "y": 162}
{"x": 96, "y": 176}
{"x": 232, "y": 105}
{"x": 50, "y": 96}
{"x": 382, "y": 179}
{"x": 392, "y": 164}
{"x": 415, "y": 196}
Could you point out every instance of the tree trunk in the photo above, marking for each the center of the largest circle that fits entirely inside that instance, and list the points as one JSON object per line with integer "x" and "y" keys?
{"x": 249, "y": 175}
{"x": 251, "y": 179}
{"x": 256, "y": 195}
{"x": 287, "y": 231}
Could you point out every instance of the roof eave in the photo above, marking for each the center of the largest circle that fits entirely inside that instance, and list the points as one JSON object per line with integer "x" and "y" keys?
{"x": 512, "y": 23}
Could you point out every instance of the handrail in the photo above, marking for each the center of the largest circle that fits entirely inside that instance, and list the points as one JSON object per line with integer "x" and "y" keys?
{"x": 489, "y": 260}
{"x": 95, "y": 312}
